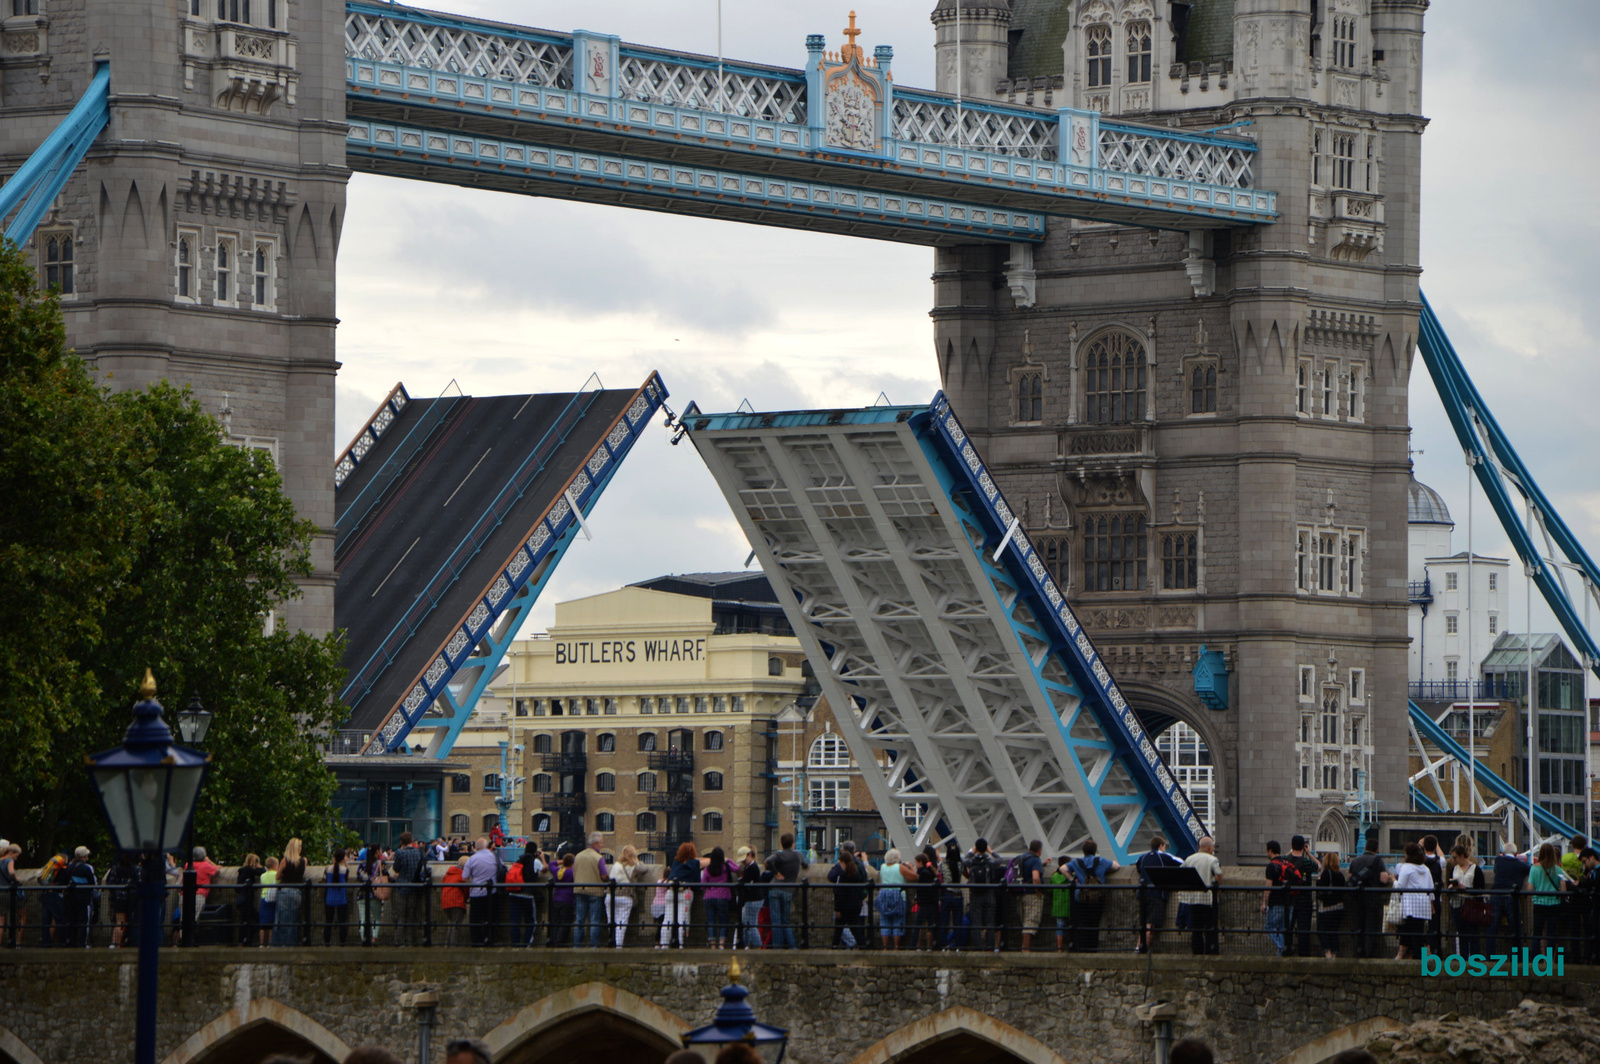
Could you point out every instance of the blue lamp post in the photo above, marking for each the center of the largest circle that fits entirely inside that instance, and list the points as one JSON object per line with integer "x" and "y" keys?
{"x": 735, "y": 1021}
{"x": 147, "y": 789}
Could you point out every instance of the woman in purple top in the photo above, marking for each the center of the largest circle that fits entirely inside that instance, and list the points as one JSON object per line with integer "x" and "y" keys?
{"x": 562, "y": 904}
{"x": 718, "y": 875}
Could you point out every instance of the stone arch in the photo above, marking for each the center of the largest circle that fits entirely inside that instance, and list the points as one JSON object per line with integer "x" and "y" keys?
{"x": 931, "y": 1037}
{"x": 1337, "y": 1041}
{"x": 271, "y": 1026}
{"x": 1333, "y": 828}
{"x": 551, "y": 1026}
{"x": 14, "y": 1051}
{"x": 1158, "y": 707}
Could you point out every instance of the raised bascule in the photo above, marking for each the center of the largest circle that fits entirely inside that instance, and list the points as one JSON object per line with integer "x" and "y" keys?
{"x": 1175, "y": 307}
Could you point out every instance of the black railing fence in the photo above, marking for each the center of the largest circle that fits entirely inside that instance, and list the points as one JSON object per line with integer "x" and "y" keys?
{"x": 1348, "y": 921}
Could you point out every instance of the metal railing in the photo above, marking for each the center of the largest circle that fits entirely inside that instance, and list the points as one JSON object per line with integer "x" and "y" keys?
{"x": 1458, "y": 690}
{"x": 1347, "y": 921}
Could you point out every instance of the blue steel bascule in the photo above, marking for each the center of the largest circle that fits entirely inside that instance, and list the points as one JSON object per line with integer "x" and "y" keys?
{"x": 837, "y": 147}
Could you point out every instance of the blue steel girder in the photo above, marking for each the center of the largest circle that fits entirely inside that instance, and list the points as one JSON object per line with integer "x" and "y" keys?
{"x": 653, "y": 184}
{"x": 38, "y": 181}
{"x": 1496, "y": 463}
{"x": 518, "y": 84}
{"x": 529, "y": 565}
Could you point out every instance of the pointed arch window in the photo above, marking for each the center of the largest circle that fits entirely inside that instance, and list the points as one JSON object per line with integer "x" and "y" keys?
{"x": 185, "y": 257}
{"x": 1030, "y": 397}
{"x": 1114, "y": 388}
{"x": 1098, "y": 38}
{"x": 1203, "y": 388}
{"x": 58, "y": 262}
{"x": 1138, "y": 52}
{"x": 1344, "y": 42}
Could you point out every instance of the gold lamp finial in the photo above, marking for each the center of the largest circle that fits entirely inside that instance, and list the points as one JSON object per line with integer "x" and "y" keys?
{"x": 733, "y": 970}
{"x": 147, "y": 687}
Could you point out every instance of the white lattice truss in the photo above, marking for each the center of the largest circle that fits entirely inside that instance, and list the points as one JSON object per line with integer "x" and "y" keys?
{"x": 1447, "y": 782}
{"x": 678, "y": 84}
{"x": 458, "y": 51}
{"x": 1137, "y": 151}
{"x": 947, "y": 712}
{"x": 1002, "y": 133}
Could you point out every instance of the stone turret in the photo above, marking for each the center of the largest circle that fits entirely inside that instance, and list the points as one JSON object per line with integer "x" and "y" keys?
{"x": 981, "y": 27}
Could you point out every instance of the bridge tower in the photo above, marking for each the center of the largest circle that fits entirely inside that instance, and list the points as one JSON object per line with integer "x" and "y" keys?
{"x": 1208, "y": 433}
{"x": 203, "y": 225}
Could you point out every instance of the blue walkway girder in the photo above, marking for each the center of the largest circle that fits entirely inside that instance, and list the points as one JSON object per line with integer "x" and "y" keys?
{"x": 30, "y": 191}
{"x": 594, "y": 93}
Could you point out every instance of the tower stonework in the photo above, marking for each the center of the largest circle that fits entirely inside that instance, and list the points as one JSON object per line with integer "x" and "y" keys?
{"x": 1208, "y": 433}
{"x": 204, "y": 222}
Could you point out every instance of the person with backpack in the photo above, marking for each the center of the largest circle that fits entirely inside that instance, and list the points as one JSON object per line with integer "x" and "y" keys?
{"x": 927, "y": 899}
{"x": 1283, "y": 878}
{"x": 1026, "y": 874}
{"x": 247, "y": 898}
{"x": 1152, "y": 902}
{"x": 1368, "y": 875}
{"x": 121, "y": 885}
{"x": 952, "y": 930}
{"x": 453, "y": 902}
{"x": 1061, "y": 899}
{"x": 482, "y": 870}
{"x": 81, "y": 880}
{"x": 53, "y": 902}
{"x": 849, "y": 894}
{"x": 985, "y": 874}
{"x": 522, "y": 875}
{"x": 891, "y": 900}
{"x": 1089, "y": 900}
{"x": 410, "y": 877}
{"x": 1301, "y": 900}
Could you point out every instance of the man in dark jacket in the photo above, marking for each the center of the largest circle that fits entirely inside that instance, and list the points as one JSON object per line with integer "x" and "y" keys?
{"x": 81, "y": 880}
{"x": 1510, "y": 872}
{"x": 1368, "y": 873}
{"x": 985, "y": 872}
{"x": 1300, "y": 857}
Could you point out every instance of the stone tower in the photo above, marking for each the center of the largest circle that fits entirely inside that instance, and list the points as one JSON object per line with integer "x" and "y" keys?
{"x": 204, "y": 223}
{"x": 1208, "y": 434}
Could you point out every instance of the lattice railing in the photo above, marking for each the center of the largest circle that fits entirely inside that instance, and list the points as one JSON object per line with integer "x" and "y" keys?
{"x": 677, "y": 84}
{"x": 1141, "y": 151}
{"x": 934, "y": 121}
{"x": 516, "y": 59}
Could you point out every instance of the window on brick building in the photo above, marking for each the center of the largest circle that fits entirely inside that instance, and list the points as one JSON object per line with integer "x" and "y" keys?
{"x": 1203, "y": 388}
{"x": 491, "y": 821}
{"x": 460, "y": 783}
{"x": 57, "y": 251}
{"x": 1098, "y": 38}
{"x": 1055, "y": 555}
{"x": 227, "y": 262}
{"x": 1138, "y": 51}
{"x": 1344, "y": 43}
{"x": 1030, "y": 397}
{"x": 541, "y": 783}
{"x": 1180, "y": 563}
{"x": 1114, "y": 552}
{"x": 460, "y": 824}
{"x": 605, "y": 822}
{"x": 1114, "y": 388}
{"x": 712, "y": 781}
{"x": 1344, "y": 160}
{"x": 605, "y": 782}
{"x": 542, "y": 743}
{"x": 644, "y": 822}
{"x": 711, "y": 822}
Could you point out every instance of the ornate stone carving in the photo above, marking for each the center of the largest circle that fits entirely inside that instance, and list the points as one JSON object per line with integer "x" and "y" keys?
{"x": 1135, "y": 617}
{"x": 235, "y": 196}
{"x": 1176, "y": 616}
{"x": 851, "y": 97}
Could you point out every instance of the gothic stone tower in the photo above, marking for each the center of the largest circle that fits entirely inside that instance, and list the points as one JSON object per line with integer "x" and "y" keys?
{"x": 1208, "y": 433}
{"x": 203, "y": 224}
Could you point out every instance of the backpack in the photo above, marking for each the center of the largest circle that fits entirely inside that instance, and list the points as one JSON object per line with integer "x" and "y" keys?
{"x": 985, "y": 870}
{"x": 1289, "y": 876}
{"x": 53, "y": 869}
{"x": 513, "y": 878}
{"x": 1013, "y": 874}
{"x": 1090, "y": 894}
{"x": 80, "y": 874}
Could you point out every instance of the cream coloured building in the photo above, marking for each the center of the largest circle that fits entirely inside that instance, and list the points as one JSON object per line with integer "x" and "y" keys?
{"x": 650, "y": 716}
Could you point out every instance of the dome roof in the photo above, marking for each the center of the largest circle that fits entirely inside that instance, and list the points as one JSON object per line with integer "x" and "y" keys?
{"x": 1425, "y": 507}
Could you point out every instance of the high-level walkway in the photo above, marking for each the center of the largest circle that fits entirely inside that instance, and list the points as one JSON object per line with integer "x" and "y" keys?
{"x": 834, "y": 146}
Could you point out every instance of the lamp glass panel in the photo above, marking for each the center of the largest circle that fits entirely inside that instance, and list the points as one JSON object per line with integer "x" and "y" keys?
{"x": 115, "y": 791}
{"x": 184, "y": 789}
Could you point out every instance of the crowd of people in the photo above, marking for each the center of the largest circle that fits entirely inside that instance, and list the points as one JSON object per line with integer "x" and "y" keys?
{"x": 443, "y": 893}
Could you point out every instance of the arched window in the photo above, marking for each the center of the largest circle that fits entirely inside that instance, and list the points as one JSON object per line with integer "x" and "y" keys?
{"x": 491, "y": 783}
{"x": 542, "y": 743}
{"x": 541, "y": 783}
{"x": 1030, "y": 397}
{"x": 605, "y": 782}
{"x": 606, "y": 743}
{"x": 1344, "y": 43}
{"x": 1116, "y": 379}
{"x": 491, "y": 821}
{"x": 1203, "y": 388}
{"x": 1099, "y": 41}
{"x": 713, "y": 740}
{"x": 1114, "y": 552}
{"x": 713, "y": 781}
{"x": 828, "y": 751}
{"x": 1138, "y": 51}
{"x": 645, "y": 782}
{"x": 647, "y": 742}
{"x": 1179, "y": 562}
{"x": 644, "y": 822}
{"x": 605, "y": 822}
{"x": 541, "y": 823}
{"x": 460, "y": 824}
{"x": 461, "y": 783}
{"x": 224, "y": 269}
{"x": 185, "y": 266}
{"x": 711, "y": 822}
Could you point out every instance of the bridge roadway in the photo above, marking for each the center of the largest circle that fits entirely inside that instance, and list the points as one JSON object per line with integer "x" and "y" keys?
{"x": 581, "y": 1006}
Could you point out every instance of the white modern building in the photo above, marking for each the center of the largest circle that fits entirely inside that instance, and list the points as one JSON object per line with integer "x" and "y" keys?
{"x": 1458, "y": 605}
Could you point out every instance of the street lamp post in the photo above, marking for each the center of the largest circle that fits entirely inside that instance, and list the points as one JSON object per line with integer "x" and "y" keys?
{"x": 735, "y": 1021}
{"x": 194, "y": 721}
{"x": 147, "y": 789}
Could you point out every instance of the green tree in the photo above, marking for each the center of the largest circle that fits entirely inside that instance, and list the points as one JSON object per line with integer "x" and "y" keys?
{"x": 132, "y": 537}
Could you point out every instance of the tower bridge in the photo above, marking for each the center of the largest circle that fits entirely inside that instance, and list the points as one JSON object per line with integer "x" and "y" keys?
{"x": 1175, "y": 311}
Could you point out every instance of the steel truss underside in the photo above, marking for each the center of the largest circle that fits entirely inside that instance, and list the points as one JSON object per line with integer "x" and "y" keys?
{"x": 964, "y": 719}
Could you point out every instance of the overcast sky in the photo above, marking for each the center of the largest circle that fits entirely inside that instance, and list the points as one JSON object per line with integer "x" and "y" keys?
{"x": 507, "y": 294}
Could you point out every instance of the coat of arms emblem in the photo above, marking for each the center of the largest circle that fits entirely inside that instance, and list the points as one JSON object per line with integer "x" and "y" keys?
{"x": 851, "y": 97}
